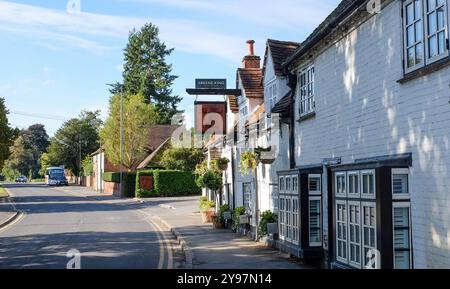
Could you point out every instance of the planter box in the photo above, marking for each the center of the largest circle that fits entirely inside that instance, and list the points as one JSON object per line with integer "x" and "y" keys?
{"x": 227, "y": 215}
{"x": 217, "y": 223}
{"x": 207, "y": 216}
{"x": 244, "y": 219}
{"x": 272, "y": 228}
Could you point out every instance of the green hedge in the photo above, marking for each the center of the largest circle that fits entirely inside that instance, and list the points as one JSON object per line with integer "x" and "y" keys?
{"x": 129, "y": 182}
{"x": 111, "y": 177}
{"x": 168, "y": 183}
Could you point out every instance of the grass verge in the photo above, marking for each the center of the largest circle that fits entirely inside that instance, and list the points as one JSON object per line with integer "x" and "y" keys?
{"x": 3, "y": 193}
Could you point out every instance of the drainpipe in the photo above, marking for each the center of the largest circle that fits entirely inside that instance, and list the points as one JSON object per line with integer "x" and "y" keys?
{"x": 292, "y": 84}
{"x": 256, "y": 205}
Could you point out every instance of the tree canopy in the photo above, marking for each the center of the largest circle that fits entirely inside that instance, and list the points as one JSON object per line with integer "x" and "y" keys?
{"x": 147, "y": 72}
{"x": 7, "y": 134}
{"x": 78, "y": 137}
{"x": 183, "y": 159}
{"x": 138, "y": 117}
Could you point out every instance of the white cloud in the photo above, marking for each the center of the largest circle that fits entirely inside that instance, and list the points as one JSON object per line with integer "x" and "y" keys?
{"x": 57, "y": 29}
{"x": 281, "y": 13}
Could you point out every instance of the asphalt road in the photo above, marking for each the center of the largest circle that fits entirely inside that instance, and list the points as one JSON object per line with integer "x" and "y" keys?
{"x": 108, "y": 233}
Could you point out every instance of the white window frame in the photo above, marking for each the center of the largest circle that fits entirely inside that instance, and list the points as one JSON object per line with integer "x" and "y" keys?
{"x": 313, "y": 176}
{"x": 400, "y": 172}
{"x": 248, "y": 208}
{"x": 281, "y": 219}
{"x": 308, "y": 97}
{"x": 345, "y": 224}
{"x": 295, "y": 217}
{"x": 294, "y": 189}
{"x": 405, "y": 37}
{"x": 427, "y": 36}
{"x": 359, "y": 224}
{"x": 337, "y": 191}
{"x": 315, "y": 198}
{"x": 374, "y": 227}
{"x": 402, "y": 205}
{"x": 288, "y": 218}
{"x": 282, "y": 185}
{"x": 357, "y": 183}
{"x": 368, "y": 196}
{"x": 426, "y": 60}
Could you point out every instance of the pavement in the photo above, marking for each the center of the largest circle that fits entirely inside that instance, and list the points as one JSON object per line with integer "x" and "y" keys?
{"x": 215, "y": 248}
{"x": 109, "y": 233}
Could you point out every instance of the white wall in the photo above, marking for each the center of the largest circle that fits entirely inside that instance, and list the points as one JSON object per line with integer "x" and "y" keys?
{"x": 362, "y": 111}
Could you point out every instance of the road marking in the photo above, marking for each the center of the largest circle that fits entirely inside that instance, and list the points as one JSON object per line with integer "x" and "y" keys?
{"x": 161, "y": 246}
{"x": 18, "y": 219}
{"x": 161, "y": 232}
{"x": 168, "y": 246}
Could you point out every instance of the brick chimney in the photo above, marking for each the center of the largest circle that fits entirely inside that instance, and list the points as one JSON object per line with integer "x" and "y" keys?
{"x": 251, "y": 60}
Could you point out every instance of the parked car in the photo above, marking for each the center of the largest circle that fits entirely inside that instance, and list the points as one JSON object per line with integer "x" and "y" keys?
{"x": 21, "y": 179}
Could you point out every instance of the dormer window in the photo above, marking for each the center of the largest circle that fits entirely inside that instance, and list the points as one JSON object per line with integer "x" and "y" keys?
{"x": 271, "y": 93}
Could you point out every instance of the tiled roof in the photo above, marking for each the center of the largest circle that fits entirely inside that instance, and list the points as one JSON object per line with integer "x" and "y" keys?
{"x": 158, "y": 135}
{"x": 280, "y": 51}
{"x": 257, "y": 114}
{"x": 345, "y": 8}
{"x": 251, "y": 82}
{"x": 283, "y": 106}
{"x": 232, "y": 100}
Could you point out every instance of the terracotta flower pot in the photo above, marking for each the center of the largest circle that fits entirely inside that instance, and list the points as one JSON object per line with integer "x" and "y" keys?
{"x": 207, "y": 216}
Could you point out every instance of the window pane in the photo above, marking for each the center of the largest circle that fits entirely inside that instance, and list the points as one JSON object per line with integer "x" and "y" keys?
{"x": 419, "y": 53}
{"x": 419, "y": 31}
{"x": 432, "y": 46}
{"x": 440, "y": 18}
{"x": 418, "y": 9}
{"x": 401, "y": 217}
{"x": 432, "y": 23}
{"x": 431, "y": 5}
{"x": 441, "y": 42}
{"x": 411, "y": 57}
{"x": 409, "y": 14}
{"x": 402, "y": 260}
{"x": 400, "y": 184}
{"x": 410, "y": 39}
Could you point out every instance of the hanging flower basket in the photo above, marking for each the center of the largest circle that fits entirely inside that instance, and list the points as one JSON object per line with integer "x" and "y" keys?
{"x": 248, "y": 162}
{"x": 222, "y": 163}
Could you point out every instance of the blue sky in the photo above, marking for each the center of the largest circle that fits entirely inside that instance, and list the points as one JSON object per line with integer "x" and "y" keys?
{"x": 56, "y": 62}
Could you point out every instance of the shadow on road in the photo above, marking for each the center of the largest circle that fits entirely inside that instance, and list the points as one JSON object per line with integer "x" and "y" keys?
{"x": 137, "y": 250}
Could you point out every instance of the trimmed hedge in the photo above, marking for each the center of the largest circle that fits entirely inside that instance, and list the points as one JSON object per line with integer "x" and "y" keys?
{"x": 129, "y": 182}
{"x": 111, "y": 177}
{"x": 168, "y": 183}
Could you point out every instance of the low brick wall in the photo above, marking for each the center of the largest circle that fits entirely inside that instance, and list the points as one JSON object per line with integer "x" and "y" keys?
{"x": 112, "y": 189}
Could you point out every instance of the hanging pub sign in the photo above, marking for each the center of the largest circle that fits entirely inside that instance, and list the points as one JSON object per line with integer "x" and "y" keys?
{"x": 210, "y": 83}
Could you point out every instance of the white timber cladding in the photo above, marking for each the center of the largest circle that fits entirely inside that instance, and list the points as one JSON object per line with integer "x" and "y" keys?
{"x": 363, "y": 111}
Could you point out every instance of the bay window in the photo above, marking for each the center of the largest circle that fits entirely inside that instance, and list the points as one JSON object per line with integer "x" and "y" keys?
{"x": 315, "y": 223}
{"x": 369, "y": 237}
{"x": 425, "y": 32}
{"x": 341, "y": 231}
{"x": 402, "y": 236}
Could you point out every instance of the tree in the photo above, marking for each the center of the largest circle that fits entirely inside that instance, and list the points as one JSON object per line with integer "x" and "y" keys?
{"x": 21, "y": 159}
{"x": 138, "y": 116}
{"x": 77, "y": 138}
{"x": 146, "y": 72}
{"x": 36, "y": 138}
{"x": 183, "y": 159}
{"x": 7, "y": 134}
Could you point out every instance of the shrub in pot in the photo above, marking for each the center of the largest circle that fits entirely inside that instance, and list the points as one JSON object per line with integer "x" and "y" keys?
{"x": 207, "y": 210}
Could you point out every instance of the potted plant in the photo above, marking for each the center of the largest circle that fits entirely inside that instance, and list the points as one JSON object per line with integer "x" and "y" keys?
{"x": 219, "y": 220}
{"x": 207, "y": 210}
{"x": 222, "y": 163}
{"x": 248, "y": 162}
{"x": 268, "y": 220}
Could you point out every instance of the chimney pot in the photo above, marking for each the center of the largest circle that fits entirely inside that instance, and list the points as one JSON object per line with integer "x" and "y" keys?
{"x": 251, "y": 50}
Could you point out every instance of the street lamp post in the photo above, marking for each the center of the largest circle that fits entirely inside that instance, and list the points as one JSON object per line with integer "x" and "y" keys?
{"x": 121, "y": 142}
